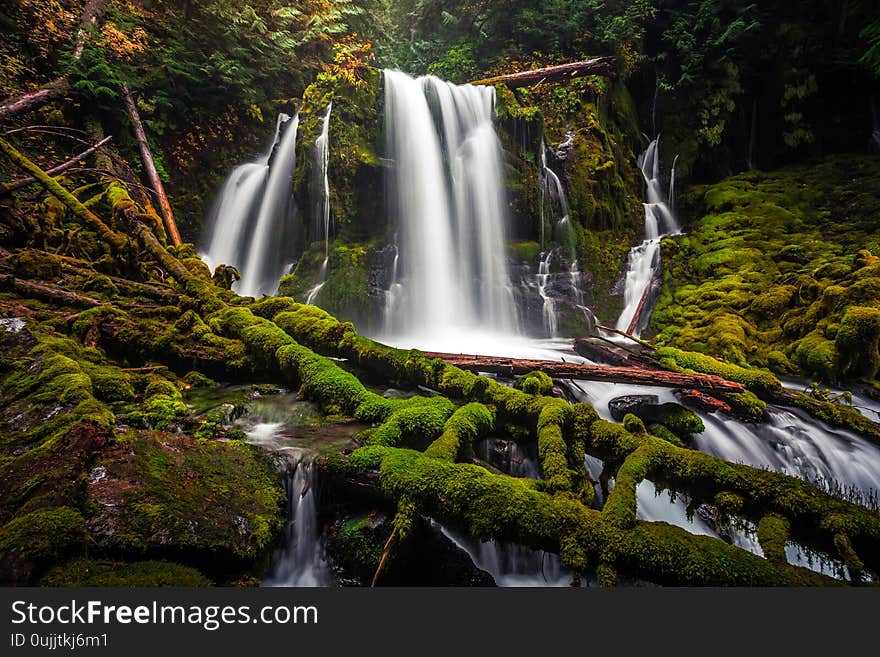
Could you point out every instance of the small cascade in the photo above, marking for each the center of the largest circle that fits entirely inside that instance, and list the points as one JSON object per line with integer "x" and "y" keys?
{"x": 553, "y": 290}
{"x": 550, "y": 319}
{"x": 250, "y": 228}
{"x": 393, "y": 292}
{"x": 300, "y": 562}
{"x": 446, "y": 182}
{"x": 322, "y": 279}
{"x": 644, "y": 259}
{"x": 322, "y": 202}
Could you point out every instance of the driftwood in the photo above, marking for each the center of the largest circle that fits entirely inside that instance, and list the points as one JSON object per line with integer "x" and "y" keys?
{"x": 385, "y": 552}
{"x": 613, "y": 354}
{"x": 642, "y": 303}
{"x": 57, "y": 88}
{"x": 38, "y": 291}
{"x": 54, "y": 171}
{"x": 150, "y": 167}
{"x": 563, "y": 370}
{"x": 703, "y": 401}
{"x": 598, "y": 66}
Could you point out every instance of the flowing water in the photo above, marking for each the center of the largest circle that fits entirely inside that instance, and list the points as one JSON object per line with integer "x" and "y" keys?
{"x": 250, "y": 228}
{"x": 300, "y": 562}
{"x": 644, "y": 259}
{"x": 447, "y": 186}
{"x": 322, "y": 202}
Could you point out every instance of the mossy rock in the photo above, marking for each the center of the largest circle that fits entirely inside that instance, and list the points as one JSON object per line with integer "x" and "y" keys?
{"x": 675, "y": 417}
{"x": 88, "y": 572}
{"x": 857, "y": 341}
{"x": 37, "y": 539}
{"x": 535, "y": 383}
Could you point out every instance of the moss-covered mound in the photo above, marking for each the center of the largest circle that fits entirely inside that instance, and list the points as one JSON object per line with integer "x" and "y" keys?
{"x": 88, "y": 572}
{"x": 777, "y": 270}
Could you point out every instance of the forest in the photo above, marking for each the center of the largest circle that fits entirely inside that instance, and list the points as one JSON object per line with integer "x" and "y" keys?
{"x": 454, "y": 293}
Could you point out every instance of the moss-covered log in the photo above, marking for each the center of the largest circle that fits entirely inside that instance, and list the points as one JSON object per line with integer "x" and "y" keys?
{"x": 603, "y": 66}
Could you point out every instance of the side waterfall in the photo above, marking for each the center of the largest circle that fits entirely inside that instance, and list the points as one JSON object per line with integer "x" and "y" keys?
{"x": 644, "y": 260}
{"x": 300, "y": 562}
{"x": 322, "y": 204}
{"x": 250, "y": 227}
{"x": 447, "y": 190}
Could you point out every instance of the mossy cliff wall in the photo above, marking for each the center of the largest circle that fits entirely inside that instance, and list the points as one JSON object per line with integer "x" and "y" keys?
{"x": 592, "y": 137}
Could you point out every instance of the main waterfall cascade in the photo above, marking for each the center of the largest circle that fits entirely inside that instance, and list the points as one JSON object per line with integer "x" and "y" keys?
{"x": 251, "y": 227}
{"x": 644, "y": 260}
{"x": 448, "y": 193}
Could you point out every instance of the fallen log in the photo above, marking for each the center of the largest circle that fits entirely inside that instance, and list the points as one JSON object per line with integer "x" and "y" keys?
{"x": 58, "y": 191}
{"x": 46, "y": 293}
{"x": 150, "y": 167}
{"x": 598, "y": 66}
{"x": 642, "y": 303}
{"x": 54, "y": 171}
{"x": 563, "y": 370}
{"x": 614, "y": 354}
{"x": 704, "y": 402}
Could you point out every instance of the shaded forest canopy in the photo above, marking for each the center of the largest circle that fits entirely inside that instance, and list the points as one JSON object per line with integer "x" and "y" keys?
{"x": 109, "y": 327}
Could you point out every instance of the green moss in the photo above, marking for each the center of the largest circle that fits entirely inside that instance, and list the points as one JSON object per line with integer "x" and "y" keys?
{"x": 857, "y": 341}
{"x": 525, "y": 251}
{"x": 202, "y": 497}
{"x": 358, "y": 546}
{"x": 466, "y": 425}
{"x": 634, "y": 424}
{"x": 817, "y": 355}
{"x": 87, "y": 572}
{"x": 663, "y": 433}
{"x": 694, "y": 362}
{"x": 675, "y": 417}
{"x": 44, "y": 536}
{"x": 746, "y": 404}
{"x": 197, "y": 380}
{"x": 770, "y": 266}
{"x": 535, "y": 383}
{"x": 772, "y": 534}
{"x": 163, "y": 404}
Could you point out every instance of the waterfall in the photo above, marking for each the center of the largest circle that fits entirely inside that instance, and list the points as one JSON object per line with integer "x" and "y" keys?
{"x": 250, "y": 228}
{"x": 446, "y": 183}
{"x": 549, "y": 307}
{"x": 554, "y": 210}
{"x": 300, "y": 562}
{"x": 322, "y": 204}
{"x": 644, "y": 259}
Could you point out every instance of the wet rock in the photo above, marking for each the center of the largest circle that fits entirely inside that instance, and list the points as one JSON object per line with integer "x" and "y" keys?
{"x": 620, "y": 406}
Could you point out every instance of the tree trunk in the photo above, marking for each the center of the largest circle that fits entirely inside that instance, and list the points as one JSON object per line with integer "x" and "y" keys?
{"x": 563, "y": 370}
{"x": 599, "y": 66}
{"x": 613, "y": 354}
{"x": 54, "y": 171}
{"x": 150, "y": 166}
{"x": 641, "y": 307}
